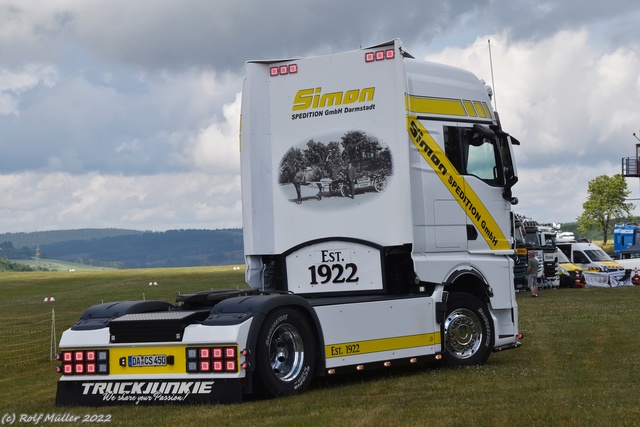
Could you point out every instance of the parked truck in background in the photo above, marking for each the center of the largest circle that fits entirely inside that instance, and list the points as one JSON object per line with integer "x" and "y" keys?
{"x": 412, "y": 265}
{"x": 541, "y": 238}
{"x": 521, "y": 256}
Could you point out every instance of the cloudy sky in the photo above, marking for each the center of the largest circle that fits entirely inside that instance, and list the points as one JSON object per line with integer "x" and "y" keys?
{"x": 124, "y": 114}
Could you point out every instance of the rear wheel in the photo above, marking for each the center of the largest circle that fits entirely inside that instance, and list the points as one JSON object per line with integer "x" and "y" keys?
{"x": 285, "y": 354}
{"x": 468, "y": 331}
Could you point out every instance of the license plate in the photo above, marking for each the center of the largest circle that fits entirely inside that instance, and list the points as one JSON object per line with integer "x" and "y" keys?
{"x": 152, "y": 360}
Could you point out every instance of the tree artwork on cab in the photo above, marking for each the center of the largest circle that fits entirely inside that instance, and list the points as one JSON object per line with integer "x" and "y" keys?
{"x": 356, "y": 164}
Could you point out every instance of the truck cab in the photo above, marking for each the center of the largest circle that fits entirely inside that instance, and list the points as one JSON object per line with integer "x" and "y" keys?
{"x": 541, "y": 238}
{"x": 521, "y": 256}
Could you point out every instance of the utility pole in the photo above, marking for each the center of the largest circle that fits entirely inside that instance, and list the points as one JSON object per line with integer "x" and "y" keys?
{"x": 37, "y": 257}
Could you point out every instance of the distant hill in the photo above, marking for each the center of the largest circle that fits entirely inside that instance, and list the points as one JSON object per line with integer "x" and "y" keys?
{"x": 116, "y": 248}
{"x": 35, "y": 238}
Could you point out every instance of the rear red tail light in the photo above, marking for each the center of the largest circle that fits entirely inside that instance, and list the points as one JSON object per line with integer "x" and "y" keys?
{"x": 212, "y": 359}
{"x": 83, "y": 362}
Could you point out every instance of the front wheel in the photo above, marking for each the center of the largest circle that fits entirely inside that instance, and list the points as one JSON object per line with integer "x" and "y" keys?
{"x": 468, "y": 331}
{"x": 285, "y": 354}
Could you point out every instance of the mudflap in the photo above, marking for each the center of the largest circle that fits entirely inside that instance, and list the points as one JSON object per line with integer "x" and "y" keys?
{"x": 148, "y": 392}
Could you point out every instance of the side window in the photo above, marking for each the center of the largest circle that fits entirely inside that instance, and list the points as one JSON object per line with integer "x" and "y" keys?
{"x": 453, "y": 148}
{"x": 482, "y": 160}
{"x": 473, "y": 154}
{"x": 579, "y": 258}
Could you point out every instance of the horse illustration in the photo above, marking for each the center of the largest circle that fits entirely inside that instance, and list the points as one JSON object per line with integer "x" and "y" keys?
{"x": 312, "y": 174}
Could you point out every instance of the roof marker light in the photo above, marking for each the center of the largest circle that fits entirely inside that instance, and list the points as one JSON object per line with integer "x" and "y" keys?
{"x": 379, "y": 55}
{"x": 281, "y": 70}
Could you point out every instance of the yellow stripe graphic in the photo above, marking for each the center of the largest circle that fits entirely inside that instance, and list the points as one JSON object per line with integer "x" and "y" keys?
{"x": 383, "y": 344}
{"x": 447, "y": 107}
{"x": 470, "y": 110}
{"x": 457, "y": 186}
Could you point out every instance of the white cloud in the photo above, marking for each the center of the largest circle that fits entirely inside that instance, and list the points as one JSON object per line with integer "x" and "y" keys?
{"x": 14, "y": 83}
{"x": 216, "y": 148}
{"x": 61, "y": 200}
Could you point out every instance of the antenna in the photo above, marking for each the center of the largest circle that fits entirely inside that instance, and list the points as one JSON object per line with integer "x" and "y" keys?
{"x": 634, "y": 135}
{"x": 493, "y": 83}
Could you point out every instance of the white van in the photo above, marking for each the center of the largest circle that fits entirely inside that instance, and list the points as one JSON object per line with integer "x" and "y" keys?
{"x": 589, "y": 256}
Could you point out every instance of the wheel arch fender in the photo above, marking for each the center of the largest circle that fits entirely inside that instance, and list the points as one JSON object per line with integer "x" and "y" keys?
{"x": 259, "y": 307}
{"x": 470, "y": 280}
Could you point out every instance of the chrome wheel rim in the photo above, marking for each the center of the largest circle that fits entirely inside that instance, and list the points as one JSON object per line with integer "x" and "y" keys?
{"x": 286, "y": 352}
{"x": 463, "y": 333}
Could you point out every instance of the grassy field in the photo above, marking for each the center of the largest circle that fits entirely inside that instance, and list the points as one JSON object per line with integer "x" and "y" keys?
{"x": 579, "y": 364}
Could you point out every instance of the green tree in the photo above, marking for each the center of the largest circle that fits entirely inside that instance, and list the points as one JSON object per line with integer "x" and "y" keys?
{"x": 605, "y": 204}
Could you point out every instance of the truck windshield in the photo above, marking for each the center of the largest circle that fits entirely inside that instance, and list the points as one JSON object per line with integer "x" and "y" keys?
{"x": 549, "y": 240}
{"x": 533, "y": 240}
{"x": 518, "y": 236}
{"x": 562, "y": 258}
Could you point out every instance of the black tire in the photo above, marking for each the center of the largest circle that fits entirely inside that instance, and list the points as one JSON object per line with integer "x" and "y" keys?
{"x": 285, "y": 354}
{"x": 468, "y": 331}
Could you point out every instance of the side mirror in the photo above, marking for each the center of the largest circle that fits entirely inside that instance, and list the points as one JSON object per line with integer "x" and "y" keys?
{"x": 506, "y": 194}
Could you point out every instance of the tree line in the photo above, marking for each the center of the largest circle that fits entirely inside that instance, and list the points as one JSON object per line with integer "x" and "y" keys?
{"x": 173, "y": 248}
